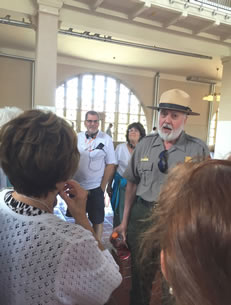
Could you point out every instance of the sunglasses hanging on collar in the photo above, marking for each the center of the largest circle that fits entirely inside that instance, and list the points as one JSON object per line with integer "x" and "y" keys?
{"x": 93, "y": 135}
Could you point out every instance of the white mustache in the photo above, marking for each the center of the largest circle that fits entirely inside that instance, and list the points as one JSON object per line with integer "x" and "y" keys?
{"x": 166, "y": 125}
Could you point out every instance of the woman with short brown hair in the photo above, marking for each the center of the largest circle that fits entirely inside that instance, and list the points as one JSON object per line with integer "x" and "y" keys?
{"x": 44, "y": 260}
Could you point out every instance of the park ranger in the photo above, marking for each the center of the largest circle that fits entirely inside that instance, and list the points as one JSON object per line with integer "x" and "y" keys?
{"x": 146, "y": 172}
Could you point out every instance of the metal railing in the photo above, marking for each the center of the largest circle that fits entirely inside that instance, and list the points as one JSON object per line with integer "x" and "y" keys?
{"x": 224, "y": 5}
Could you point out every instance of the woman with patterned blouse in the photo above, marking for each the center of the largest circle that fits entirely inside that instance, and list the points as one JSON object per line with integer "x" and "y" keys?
{"x": 44, "y": 260}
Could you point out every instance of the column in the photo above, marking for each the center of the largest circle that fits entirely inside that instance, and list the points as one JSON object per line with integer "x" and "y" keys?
{"x": 46, "y": 53}
{"x": 223, "y": 136}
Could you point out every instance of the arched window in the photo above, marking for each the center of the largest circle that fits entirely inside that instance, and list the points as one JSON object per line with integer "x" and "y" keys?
{"x": 116, "y": 103}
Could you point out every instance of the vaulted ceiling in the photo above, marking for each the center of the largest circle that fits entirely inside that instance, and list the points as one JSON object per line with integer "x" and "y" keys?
{"x": 137, "y": 34}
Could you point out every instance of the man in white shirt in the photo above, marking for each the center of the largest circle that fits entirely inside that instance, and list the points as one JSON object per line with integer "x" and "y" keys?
{"x": 96, "y": 167}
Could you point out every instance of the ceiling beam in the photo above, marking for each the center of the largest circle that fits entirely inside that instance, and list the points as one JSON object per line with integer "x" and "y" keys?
{"x": 174, "y": 20}
{"x": 225, "y": 37}
{"x": 209, "y": 26}
{"x": 96, "y": 4}
{"x": 140, "y": 8}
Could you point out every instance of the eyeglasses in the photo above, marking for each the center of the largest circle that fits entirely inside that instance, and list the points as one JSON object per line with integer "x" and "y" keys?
{"x": 92, "y": 121}
{"x": 133, "y": 130}
{"x": 163, "y": 162}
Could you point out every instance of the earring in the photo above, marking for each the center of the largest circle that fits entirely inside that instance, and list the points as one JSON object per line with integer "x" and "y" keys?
{"x": 170, "y": 290}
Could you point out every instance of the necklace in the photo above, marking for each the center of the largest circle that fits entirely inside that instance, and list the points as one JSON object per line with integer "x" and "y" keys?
{"x": 39, "y": 201}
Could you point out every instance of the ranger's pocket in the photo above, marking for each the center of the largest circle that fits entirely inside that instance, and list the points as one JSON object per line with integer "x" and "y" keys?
{"x": 145, "y": 172}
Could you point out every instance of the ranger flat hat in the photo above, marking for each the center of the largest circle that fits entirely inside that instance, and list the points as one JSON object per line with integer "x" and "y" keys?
{"x": 175, "y": 99}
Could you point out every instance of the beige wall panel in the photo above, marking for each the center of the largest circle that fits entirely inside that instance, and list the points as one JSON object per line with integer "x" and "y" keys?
{"x": 15, "y": 83}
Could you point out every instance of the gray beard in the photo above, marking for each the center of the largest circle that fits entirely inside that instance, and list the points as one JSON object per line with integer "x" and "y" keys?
{"x": 172, "y": 136}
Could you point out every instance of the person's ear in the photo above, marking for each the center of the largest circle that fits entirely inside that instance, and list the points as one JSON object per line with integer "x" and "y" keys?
{"x": 185, "y": 120}
{"x": 162, "y": 264}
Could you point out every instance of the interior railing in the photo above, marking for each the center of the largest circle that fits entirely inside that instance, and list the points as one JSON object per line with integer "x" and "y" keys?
{"x": 216, "y": 4}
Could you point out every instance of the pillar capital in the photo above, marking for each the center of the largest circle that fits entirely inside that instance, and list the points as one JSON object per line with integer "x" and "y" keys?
{"x": 51, "y": 7}
{"x": 226, "y": 59}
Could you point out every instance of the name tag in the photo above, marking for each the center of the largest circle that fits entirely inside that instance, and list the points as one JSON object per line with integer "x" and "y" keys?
{"x": 145, "y": 159}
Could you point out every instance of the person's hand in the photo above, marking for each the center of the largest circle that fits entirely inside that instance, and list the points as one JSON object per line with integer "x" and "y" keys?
{"x": 109, "y": 190}
{"x": 121, "y": 230}
{"x": 75, "y": 197}
{"x": 102, "y": 188}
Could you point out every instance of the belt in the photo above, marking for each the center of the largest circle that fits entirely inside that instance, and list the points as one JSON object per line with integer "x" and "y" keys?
{"x": 145, "y": 202}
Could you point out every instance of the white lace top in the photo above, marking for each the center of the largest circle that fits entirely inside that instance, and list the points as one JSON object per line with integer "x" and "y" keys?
{"x": 44, "y": 260}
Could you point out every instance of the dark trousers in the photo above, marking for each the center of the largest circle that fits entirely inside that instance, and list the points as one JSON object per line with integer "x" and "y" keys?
{"x": 142, "y": 274}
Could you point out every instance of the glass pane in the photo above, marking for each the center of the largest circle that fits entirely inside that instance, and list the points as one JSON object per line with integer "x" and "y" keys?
{"x": 98, "y": 107}
{"x": 110, "y": 94}
{"x": 110, "y": 117}
{"x": 72, "y": 83}
{"x": 71, "y": 114}
{"x": 122, "y": 128}
{"x": 87, "y": 82}
{"x": 124, "y": 90}
{"x": 133, "y": 118}
{"x": 123, "y": 118}
{"x": 99, "y": 82}
{"x": 59, "y": 112}
{"x": 71, "y": 100}
{"x": 99, "y": 93}
{"x": 99, "y": 96}
{"x": 213, "y": 124}
{"x": 123, "y": 99}
{"x": 86, "y": 99}
{"x": 134, "y": 105}
{"x": 211, "y": 141}
{"x": 121, "y": 137}
{"x": 143, "y": 120}
{"x": 123, "y": 107}
{"x": 111, "y": 84}
{"x": 83, "y": 115}
{"x": 110, "y": 101}
{"x": 59, "y": 100}
{"x": 82, "y": 127}
{"x": 212, "y": 133}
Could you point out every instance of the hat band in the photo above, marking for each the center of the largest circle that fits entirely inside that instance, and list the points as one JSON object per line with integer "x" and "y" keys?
{"x": 174, "y": 106}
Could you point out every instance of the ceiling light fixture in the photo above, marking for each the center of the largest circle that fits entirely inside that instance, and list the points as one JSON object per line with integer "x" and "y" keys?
{"x": 215, "y": 97}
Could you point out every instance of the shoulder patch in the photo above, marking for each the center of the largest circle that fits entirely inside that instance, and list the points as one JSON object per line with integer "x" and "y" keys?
{"x": 151, "y": 135}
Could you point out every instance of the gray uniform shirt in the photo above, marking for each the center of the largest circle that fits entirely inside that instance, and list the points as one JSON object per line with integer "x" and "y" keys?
{"x": 143, "y": 166}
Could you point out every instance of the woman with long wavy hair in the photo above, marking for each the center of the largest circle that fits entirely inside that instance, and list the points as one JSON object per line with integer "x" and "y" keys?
{"x": 192, "y": 227}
